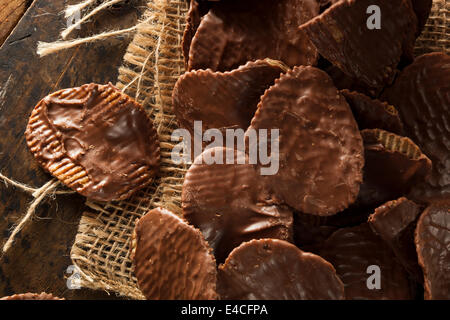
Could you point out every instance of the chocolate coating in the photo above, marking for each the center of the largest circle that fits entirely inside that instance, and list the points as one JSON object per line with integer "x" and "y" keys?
{"x": 395, "y": 222}
{"x": 32, "y": 296}
{"x": 320, "y": 147}
{"x": 193, "y": 19}
{"x": 393, "y": 165}
{"x": 422, "y": 96}
{"x": 343, "y": 81}
{"x": 352, "y": 251}
{"x": 373, "y": 113}
{"x": 96, "y": 140}
{"x": 223, "y": 100}
{"x": 172, "y": 260}
{"x": 269, "y": 269}
{"x": 433, "y": 249}
{"x": 230, "y": 204}
{"x": 234, "y": 32}
{"x": 341, "y": 35}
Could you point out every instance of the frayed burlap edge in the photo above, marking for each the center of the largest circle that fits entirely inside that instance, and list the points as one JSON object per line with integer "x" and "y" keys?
{"x": 152, "y": 64}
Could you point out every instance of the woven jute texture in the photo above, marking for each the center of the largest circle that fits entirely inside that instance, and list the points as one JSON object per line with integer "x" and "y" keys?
{"x": 436, "y": 35}
{"x": 152, "y": 65}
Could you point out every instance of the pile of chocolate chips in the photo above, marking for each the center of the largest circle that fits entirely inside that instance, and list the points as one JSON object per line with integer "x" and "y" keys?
{"x": 360, "y": 205}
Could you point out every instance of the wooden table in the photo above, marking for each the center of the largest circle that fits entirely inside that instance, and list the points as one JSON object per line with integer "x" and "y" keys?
{"x": 40, "y": 256}
{"x": 10, "y": 13}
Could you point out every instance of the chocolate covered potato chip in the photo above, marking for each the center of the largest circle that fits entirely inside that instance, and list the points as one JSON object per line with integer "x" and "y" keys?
{"x": 234, "y": 32}
{"x": 96, "y": 140}
{"x": 171, "y": 259}
{"x": 393, "y": 165}
{"x": 421, "y": 94}
{"x": 223, "y": 100}
{"x": 422, "y": 8}
{"x": 341, "y": 34}
{"x": 395, "y": 222}
{"x": 270, "y": 269}
{"x": 432, "y": 239}
{"x": 357, "y": 253}
{"x": 230, "y": 203}
{"x": 373, "y": 113}
{"x": 320, "y": 146}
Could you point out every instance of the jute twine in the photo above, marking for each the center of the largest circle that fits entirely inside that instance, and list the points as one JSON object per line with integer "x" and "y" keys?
{"x": 39, "y": 194}
{"x": 90, "y": 8}
{"x": 152, "y": 64}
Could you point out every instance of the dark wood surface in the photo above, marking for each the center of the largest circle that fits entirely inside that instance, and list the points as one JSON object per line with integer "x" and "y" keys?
{"x": 40, "y": 256}
{"x": 10, "y": 13}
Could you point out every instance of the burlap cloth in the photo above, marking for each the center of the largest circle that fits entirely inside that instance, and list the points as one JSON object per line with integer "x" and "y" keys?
{"x": 151, "y": 66}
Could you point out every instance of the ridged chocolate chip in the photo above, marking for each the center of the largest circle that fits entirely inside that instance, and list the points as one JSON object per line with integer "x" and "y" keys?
{"x": 433, "y": 249}
{"x": 96, "y": 140}
{"x": 395, "y": 222}
{"x": 230, "y": 204}
{"x": 342, "y": 36}
{"x": 269, "y": 269}
{"x": 320, "y": 147}
{"x": 234, "y": 32}
{"x": 352, "y": 251}
{"x": 171, "y": 259}
{"x": 421, "y": 94}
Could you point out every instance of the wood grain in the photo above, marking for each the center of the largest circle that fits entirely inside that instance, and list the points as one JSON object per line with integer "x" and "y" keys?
{"x": 40, "y": 257}
{"x": 10, "y": 13}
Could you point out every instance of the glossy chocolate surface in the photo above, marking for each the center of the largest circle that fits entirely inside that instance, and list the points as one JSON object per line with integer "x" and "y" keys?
{"x": 343, "y": 81}
{"x": 223, "y": 100}
{"x": 352, "y": 251}
{"x": 269, "y": 269}
{"x": 421, "y": 94}
{"x": 172, "y": 260}
{"x": 31, "y": 296}
{"x": 193, "y": 19}
{"x": 320, "y": 147}
{"x": 433, "y": 249}
{"x": 373, "y": 113}
{"x": 358, "y": 53}
{"x": 95, "y": 139}
{"x": 395, "y": 222}
{"x": 234, "y": 32}
{"x": 230, "y": 204}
